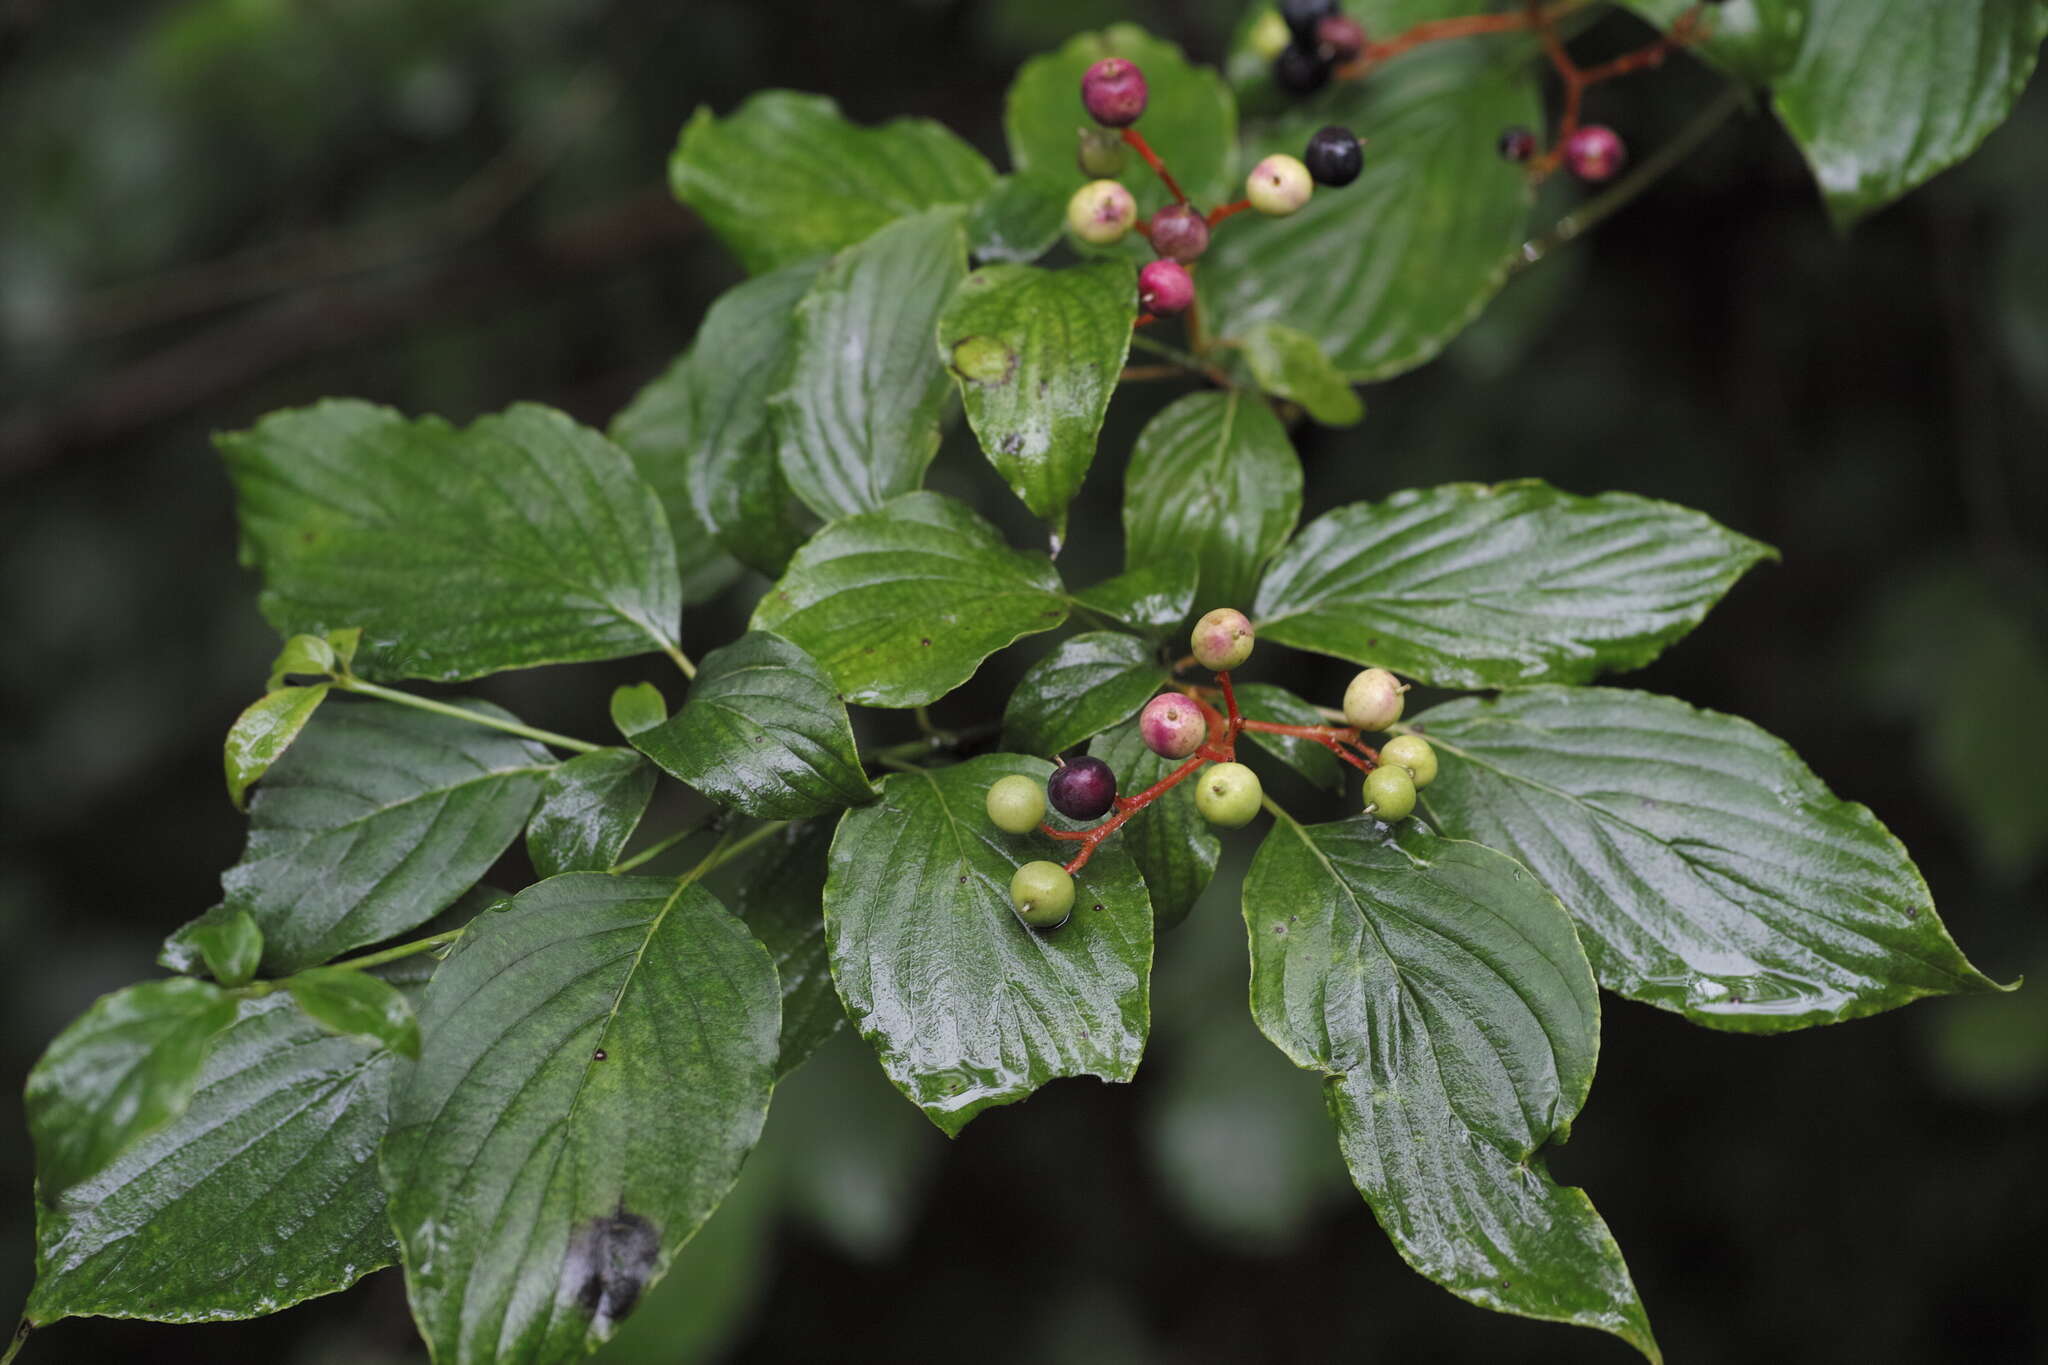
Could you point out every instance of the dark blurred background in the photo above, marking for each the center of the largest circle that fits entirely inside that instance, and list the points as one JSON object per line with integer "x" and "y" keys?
{"x": 216, "y": 208}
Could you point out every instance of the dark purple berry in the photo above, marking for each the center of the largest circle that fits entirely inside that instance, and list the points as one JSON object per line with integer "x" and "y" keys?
{"x": 1516, "y": 144}
{"x": 1179, "y": 233}
{"x": 1302, "y": 16}
{"x": 1340, "y": 38}
{"x": 1594, "y": 153}
{"x": 1082, "y": 789}
{"x": 1299, "y": 71}
{"x": 1114, "y": 92}
{"x": 1165, "y": 288}
{"x": 1334, "y": 156}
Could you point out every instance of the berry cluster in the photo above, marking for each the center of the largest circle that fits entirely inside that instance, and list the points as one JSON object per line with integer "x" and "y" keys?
{"x": 1307, "y": 41}
{"x": 1182, "y": 725}
{"x": 1103, "y": 211}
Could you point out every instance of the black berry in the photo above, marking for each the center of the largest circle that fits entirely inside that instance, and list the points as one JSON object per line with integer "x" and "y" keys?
{"x": 1082, "y": 789}
{"x": 1517, "y": 144}
{"x": 1300, "y": 71}
{"x": 1334, "y": 156}
{"x": 1302, "y": 16}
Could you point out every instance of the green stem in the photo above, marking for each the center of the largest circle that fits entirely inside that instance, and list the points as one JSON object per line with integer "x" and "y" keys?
{"x": 1141, "y": 342}
{"x": 888, "y": 759}
{"x": 442, "y": 708}
{"x": 1647, "y": 172}
{"x": 729, "y": 848}
{"x": 1274, "y": 809}
{"x": 378, "y": 959}
{"x": 20, "y": 1340}
{"x": 682, "y": 660}
{"x": 656, "y": 849}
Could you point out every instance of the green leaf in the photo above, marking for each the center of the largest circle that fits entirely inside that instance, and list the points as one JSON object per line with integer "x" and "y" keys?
{"x": 1443, "y": 993}
{"x": 1711, "y": 872}
{"x": 763, "y": 732}
{"x": 902, "y": 604}
{"x": 786, "y": 177}
{"x": 1190, "y": 119}
{"x": 378, "y": 818}
{"x": 1152, "y": 597}
{"x": 1289, "y": 364}
{"x": 968, "y": 1007}
{"x": 264, "y": 731}
{"x": 860, "y": 417}
{"x": 1037, "y": 354}
{"x": 636, "y": 707}
{"x": 231, "y": 947}
{"x": 1017, "y": 221}
{"x": 345, "y": 642}
{"x": 357, "y": 1005}
{"x": 262, "y": 1194}
{"x": 1213, "y": 473}
{"x": 1504, "y": 585}
{"x": 700, "y": 433}
{"x": 1088, "y": 684}
{"x": 782, "y": 898}
{"x": 1171, "y": 843}
{"x": 540, "y": 542}
{"x": 1383, "y": 273}
{"x": 597, "y": 1063}
{"x": 1754, "y": 40}
{"x": 1885, "y": 93}
{"x": 123, "y": 1068}
{"x": 304, "y": 655}
{"x": 1263, "y": 701}
{"x": 588, "y": 810}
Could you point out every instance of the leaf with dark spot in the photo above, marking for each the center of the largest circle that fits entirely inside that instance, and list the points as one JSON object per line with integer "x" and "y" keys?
{"x": 610, "y": 1260}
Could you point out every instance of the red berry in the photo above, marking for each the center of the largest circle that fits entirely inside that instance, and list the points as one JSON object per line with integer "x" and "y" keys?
{"x": 1165, "y": 288}
{"x": 1114, "y": 92}
{"x": 1172, "y": 726}
{"x": 1516, "y": 144}
{"x": 1179, "y": 233}
{"x": 1082, "y": 789}
{"x": 1594, "y": 153}
{"x": 1339, "y": 38}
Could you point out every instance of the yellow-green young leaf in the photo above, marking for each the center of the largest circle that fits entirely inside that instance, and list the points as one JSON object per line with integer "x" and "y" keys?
{"x": 859, "y": 418}
{"x": 357, "y": 1005}
{"x": 1018, "y": 220}
{"x": 902, "y": 604}
{"x": 539, "y": 541}
{"x": 1712, "y": 874}
{"x": 1037, "y": 354}
{"x": 1213, "y": 473}
{"x": 1504, "y": 585}
{"x": 1174, "y": 847}
{"x": 263, "y": 732}
{"x": 262, "y": 1194}
{"x": 1885, "y": 93}
{"x": 1152, "y": 596}
{"x": 588, "y": 810}
{"x": 375, "y": 821}
{"x": 781, "y": 896}
{"x": 764, "y": 733}
{"x": 307, "y": 655}
{"x": 1088, "y": 684}
{"x": 123, "y": 1068}
{"x": 1289, "y": 364}
{"x": 699, "y": 433}
{"x": 637, "y": 707}
{"x": 1263, "y": 701}
{"x": 1442, "y": 991}
{"x": 596, "y": 1065}
{"x": 786, "y": 177}
{"x": 345, "y": 642}
{"x": 968, "y": 1007}
{"x": 231, "y": 946}
{"x": 1190, "y": 119}
{"x": 1384, "y": 272}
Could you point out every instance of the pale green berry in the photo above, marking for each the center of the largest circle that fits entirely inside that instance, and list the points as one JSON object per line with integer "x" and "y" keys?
{"x": 1279, "y": 185}
{"x": 1414, "y": 753}
{"x": 1373, "y": 700}
{"x": 1389, "y": 793}
{"x": 1016, "y": 804}
{"x": 1228, "y": 795}
{"x": 1100, "y": 154}
{"x": 1269, "y": 36}
{"x": 1222, "y": 640}
{"x": 1043, "y": 894}
{"x": 1101, "y": 212}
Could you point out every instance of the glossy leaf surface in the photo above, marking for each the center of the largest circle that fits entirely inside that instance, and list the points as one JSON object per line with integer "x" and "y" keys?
{"x": 1290, "y": 364}
{"x": 1264, "y": 701}
{"x": 588, "y": 810}
{"x": 1083, "y": 687}
{"x": 1152, "y": 597}
{"x": 782, "y": 900}
{"x": 357, "y": 1005}
{"x": 265, "y": 731}
{"x": 1171, "y": 843}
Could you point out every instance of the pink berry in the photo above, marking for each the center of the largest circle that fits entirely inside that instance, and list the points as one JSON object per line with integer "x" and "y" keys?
{"x": 1179, "y": 233}
{"x": 1172, "y": 726}
{"x": 1113, "y": 90}
{"x": 1594, "y": 153}
{"x": 1165, "y": 288}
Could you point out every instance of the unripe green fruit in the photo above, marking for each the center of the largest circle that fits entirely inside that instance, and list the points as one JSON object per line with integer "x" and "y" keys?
{"x": 1101, "y": 212}
{"x": 1228, "y": 795}
{"x": 1278, "y": 186}
{"x": 1016, "y": 804}
{"x": 1373, "y": 700}
{"x": 1414, "y": 753}
{"x": 1101, "y": 154}
{"x": 1222, "y": 640}
{"x": 1269, "y": 36}
{"x": 1390, "y": 793}
{"x": 1043, "y": 894}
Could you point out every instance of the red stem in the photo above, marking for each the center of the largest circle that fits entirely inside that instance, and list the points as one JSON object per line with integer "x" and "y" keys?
{"x": 1136, "y": 140}
{"x": 1217, "y": 215}
{"x": 1577, "y": 80}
